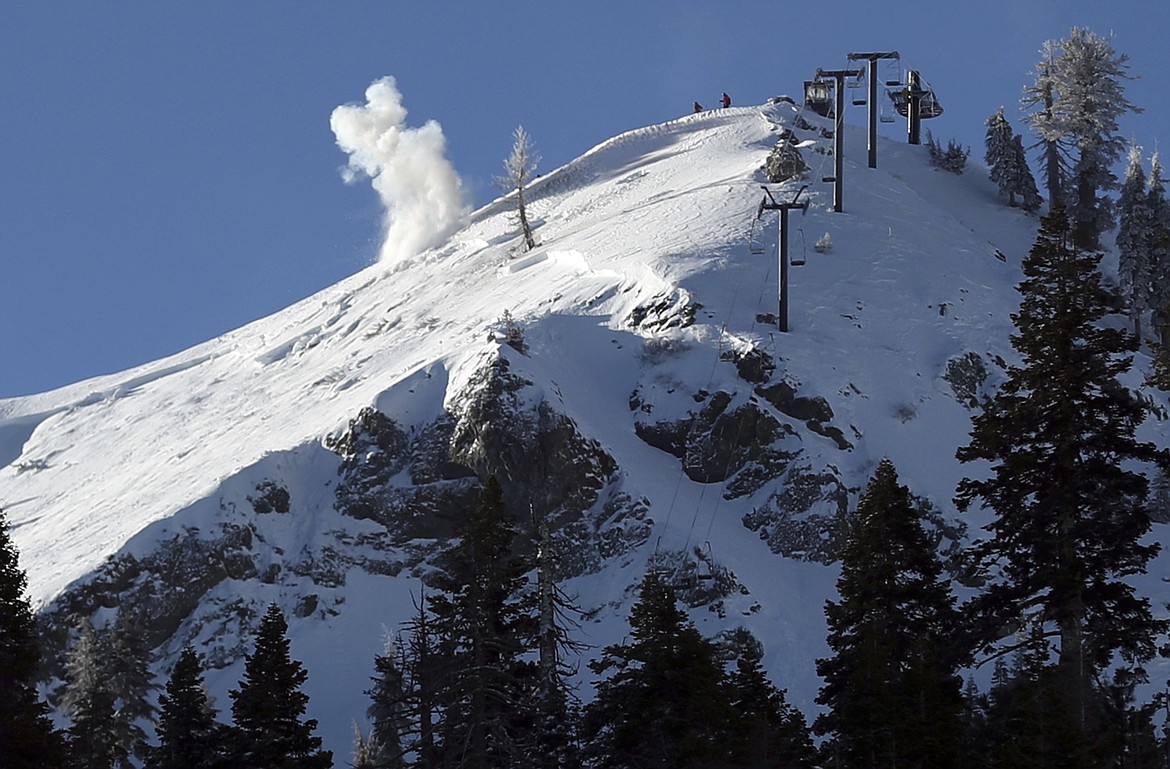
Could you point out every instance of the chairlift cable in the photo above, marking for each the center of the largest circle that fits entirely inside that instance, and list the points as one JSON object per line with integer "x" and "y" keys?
{"x": 739, "y": 429}
{"x": 786, "y": 142}
{"x": 803, "y": 245}
{"x": 694, "y": 418}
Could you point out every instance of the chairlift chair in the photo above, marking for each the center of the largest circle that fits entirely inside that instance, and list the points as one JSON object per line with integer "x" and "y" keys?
{"x": 894, "y": 75}
{"x": 755, "y": 242}
{"x": 928, "y": 105}
{"x": 701, "y": 560}
{"x": 854, "y": 84}
{"x": 889, "y": 75}
{"x": 799, "y": 260}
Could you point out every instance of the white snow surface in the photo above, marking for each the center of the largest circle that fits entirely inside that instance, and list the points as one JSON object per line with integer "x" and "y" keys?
{"x": 120, "y": 463}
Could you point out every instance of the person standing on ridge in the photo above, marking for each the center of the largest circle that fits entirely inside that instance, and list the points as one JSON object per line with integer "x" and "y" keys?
{"x": 726, "y": 100}
{"x": 698, "y": 107}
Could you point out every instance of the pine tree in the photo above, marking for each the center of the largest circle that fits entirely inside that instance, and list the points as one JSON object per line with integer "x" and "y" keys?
{"x": 952, "y": 159}
{"x": 1030, "y": 723}
{"x": 1008, "y": 163}
{"x": 426, "y": 669}
{"x": 891, "y": 687}
{"x": 998, "y": 153}
{"x": 1132, "y": 738}
{"x": 1070, "y": 508}
{"x": 189, "y": 736}
{"x": 773, "y": 733}
{"x": 1040, "y": 97}
{"x": 975, "y": 735}
{"x": 554, "y": 737}
{"x": 26, "y": 733}
{"x": 1159, "y": 251}
{"x": 404, "y": 698}
{"x": 663, "y": 699}
{"x": 1083, "y": 95}
{"x": 268, "y": 706}
{"x": 126, "y": 668}
{"x": 94, "y": 732}
{"x": 109, "y": 670}
{"x": 484, "y": 627}
{"x": 1134, "y": 240}
{"x": 1020, "y": 179}
{"x": 366, "y": 753}
{"x": 390, "y": 708}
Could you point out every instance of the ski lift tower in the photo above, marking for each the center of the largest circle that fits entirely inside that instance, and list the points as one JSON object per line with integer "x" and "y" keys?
{"x": 915, "y": 103}
{"x": 871, "y": 101}
{"x": 838, "y": 77}
{"x": 768, "y": 203}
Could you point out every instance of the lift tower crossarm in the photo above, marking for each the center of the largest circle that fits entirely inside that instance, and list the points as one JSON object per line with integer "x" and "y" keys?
{"x": 873, "y": 59}
{"x": 768, "y": 203}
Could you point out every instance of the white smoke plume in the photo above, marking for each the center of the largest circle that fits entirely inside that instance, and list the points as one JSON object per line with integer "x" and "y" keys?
{"x": 422, "y": 193}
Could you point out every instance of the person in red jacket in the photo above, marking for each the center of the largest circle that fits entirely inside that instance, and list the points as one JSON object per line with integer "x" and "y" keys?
{"x": 726, "y": 100}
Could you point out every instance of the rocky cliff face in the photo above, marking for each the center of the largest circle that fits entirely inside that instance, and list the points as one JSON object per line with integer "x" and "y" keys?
{"x": 409, "y": 485}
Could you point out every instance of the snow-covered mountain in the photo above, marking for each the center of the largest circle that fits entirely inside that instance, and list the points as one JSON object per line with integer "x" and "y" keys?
{"x": 646, "y": 405}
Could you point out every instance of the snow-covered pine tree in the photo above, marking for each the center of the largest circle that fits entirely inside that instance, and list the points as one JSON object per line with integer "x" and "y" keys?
{"x": 998, "y": 153}
{"x": 824, "y": 244}
{"x": 111, "y": 669}
{"x": 1020, "y": 179}
{"x": 365, "y": 750}
{"x": 126, "y": 664}
{"x": 93, "y": 734}
{"x": 1159, "y": 251}
{"x": 1008, "y": 163}
{"x": 1083, "y": 82}
{"x": 1040, "y": 98}
{"x": 952, "y": 159}
{"x": 1134, "y": 240}
{"x": 25, "y": 730}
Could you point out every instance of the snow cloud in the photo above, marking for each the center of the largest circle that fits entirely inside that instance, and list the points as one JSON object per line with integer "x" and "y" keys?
{"x": 422, "y": 193}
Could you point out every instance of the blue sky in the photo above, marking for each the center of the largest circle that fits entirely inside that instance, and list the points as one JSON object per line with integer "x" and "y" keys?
{"x": 168, "y": 171}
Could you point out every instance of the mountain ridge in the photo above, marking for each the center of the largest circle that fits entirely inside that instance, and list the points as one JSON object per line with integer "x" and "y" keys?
{"x": 647, "y": 367}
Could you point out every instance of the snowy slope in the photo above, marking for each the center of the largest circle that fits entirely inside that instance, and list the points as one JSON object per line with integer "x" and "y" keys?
{"x": 659, "y": 216}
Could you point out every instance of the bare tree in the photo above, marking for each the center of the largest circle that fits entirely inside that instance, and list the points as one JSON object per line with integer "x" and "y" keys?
{"x": 519, "y": 170}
